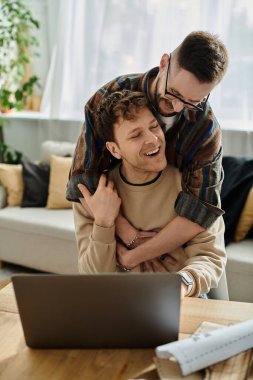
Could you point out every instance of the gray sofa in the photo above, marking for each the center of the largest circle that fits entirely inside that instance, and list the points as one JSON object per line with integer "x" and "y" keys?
{"x": 240, "y": 270}
{"x": 45, "y": 240}
{"x": 38, "y": 238}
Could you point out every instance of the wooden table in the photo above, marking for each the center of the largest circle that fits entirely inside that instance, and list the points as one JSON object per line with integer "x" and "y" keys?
{"x": 17, "y": 361}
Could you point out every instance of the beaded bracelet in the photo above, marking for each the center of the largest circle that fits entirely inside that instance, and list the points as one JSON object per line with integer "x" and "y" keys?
{"x": 130, "y": 245}
{"x": 125, "y": 269}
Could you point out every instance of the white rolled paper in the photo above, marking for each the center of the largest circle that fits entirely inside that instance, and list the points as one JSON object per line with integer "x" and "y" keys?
{"x": 201, "y": 351}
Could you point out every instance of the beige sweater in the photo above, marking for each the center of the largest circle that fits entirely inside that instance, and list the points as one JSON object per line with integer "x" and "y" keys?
{"x": 151, "y": 207}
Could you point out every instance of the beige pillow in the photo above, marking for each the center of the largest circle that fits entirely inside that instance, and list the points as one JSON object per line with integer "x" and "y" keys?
{"x": 246, "y": 218}
{"x": 59, "y": 174}
{"x": 11, "y": 179}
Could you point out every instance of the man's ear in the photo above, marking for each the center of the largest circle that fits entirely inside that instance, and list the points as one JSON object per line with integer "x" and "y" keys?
{"x": 163, "y": 62}
{"x": 113, "y": 149}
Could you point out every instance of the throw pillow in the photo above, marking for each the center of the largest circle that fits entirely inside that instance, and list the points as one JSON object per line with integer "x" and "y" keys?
{"x": 36, "y": 182}
{"x": 57, "y": 148}
{"x": 59, "y": 174}
{"x": 12, "y": 180}
{"x": 246, "y": 218}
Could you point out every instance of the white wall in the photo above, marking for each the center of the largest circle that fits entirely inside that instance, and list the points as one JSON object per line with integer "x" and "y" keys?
{"x": 26, "y": 135}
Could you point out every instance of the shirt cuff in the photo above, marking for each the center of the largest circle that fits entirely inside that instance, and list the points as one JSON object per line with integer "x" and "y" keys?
{"x": 104, "y": 235}
{"x": 193, "y": 209}
{"x": 90, "y": 180}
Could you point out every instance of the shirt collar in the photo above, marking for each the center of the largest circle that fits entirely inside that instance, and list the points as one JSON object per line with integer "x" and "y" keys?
{"x": 190, "y": 115}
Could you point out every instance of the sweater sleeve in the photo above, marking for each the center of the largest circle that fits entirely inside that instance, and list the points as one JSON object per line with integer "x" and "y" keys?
{"x": 96, "y": 245}
{"x": 206, "y": 258}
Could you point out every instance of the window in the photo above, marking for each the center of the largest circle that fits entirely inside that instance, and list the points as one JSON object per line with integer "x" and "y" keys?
{"x": 92, "y": 42}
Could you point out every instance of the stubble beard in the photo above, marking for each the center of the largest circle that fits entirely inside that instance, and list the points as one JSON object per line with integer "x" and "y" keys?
{"x": 157, "y": 99}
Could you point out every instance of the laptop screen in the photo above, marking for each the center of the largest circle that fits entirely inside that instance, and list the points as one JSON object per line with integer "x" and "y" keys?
{"x": 109, "y": 310}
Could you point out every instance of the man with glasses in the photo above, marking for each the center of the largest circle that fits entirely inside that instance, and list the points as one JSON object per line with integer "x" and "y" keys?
{"x": 145, "y": 187}
{"x": 178, "y": 92}
{"x": 172, "y": 97}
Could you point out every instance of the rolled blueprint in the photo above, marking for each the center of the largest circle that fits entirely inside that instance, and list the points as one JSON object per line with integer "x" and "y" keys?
{"x": 201, "y": 351}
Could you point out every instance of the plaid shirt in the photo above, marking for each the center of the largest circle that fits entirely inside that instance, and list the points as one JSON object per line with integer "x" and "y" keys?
{"x": 193, "y": 144}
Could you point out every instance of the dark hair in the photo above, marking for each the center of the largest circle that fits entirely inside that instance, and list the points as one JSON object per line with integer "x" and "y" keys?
{"x": 204, "y": 55}
{"x": 119, "y": 104}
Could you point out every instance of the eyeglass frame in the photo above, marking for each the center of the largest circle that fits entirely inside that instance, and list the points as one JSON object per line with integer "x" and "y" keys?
{"x": 193, "y": 106}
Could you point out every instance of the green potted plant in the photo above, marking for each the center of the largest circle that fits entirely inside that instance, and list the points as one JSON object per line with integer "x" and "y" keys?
{"x": 8, "y": 155}
{"x": 17, "y": 44}
{"x": 16, "y": 48}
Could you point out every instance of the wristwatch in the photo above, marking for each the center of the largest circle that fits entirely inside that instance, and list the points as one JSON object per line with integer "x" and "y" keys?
{"x": 187, "y": 280}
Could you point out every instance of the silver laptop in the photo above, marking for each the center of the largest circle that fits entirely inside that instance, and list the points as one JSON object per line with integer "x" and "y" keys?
{"x": 113, "y": 310}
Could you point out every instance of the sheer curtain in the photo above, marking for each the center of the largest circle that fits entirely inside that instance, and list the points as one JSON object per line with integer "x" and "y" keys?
{"x": 91, "y": 42}
{"x": 75, "y": 28}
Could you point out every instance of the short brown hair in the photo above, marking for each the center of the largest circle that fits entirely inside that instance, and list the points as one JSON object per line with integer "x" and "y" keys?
{"x": 204, "y": 55}
{"x": 125, "y": 104}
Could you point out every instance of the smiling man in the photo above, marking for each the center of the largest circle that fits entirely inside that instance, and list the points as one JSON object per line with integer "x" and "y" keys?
{"x": 146, "y": 188}
{"x": 177, "y": 92}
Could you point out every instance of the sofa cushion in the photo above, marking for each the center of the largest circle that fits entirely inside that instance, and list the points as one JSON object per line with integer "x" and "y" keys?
{"x": 246, "y": 218}
{"x": 238, "y": 181}
{"x": 12, "y": 180}
{"x": 240, "y": 270}
{"x": 241, "y": 253}
{"x": 36, "y": 181}
{"x": 59, "y": 173}
{"x": 57, "y": 148}
{"x": 56, "y": 223}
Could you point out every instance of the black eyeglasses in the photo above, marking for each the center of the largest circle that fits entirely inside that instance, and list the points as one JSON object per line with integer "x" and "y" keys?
{"x": 197, "y": 107}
